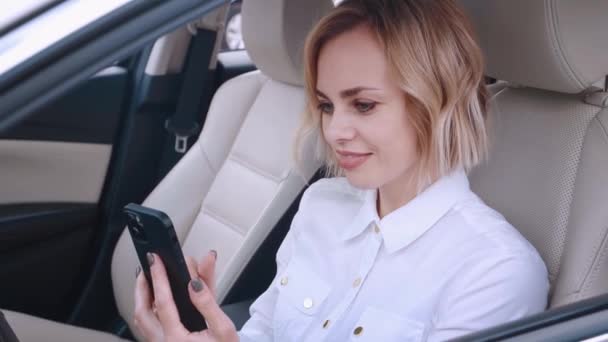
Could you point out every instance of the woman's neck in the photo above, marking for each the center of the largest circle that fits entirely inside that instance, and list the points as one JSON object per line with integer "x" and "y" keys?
{"x": 397, "y": 193}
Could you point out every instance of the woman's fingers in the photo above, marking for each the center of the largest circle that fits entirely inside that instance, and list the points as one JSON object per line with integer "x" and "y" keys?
{"x": 218, "y": 324}
{"x": 192, "y": 266}
{"x": 163, "y": 298}
{"x": 144, "y": 319}
{"x": 206, "y": 270}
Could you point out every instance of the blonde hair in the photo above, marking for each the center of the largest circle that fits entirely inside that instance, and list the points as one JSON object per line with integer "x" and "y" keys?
{"x": 432, "y": 51}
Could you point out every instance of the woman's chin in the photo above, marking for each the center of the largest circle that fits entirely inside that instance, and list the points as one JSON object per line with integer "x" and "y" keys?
{"x": 360, "y": 180}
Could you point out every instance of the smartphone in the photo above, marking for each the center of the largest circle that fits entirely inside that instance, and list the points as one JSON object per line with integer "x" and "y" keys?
{"x": 152, "y": 231}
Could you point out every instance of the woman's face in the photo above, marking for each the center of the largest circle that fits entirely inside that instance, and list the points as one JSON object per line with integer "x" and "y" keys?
{"x": 364, "y": 113}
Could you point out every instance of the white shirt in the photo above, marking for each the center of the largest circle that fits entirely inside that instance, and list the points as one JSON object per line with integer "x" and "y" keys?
{"x": 443, "y": 265}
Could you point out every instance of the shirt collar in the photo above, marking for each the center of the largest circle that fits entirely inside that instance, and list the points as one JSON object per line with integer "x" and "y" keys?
{"x": 406, "y": 224}
{"x": 367, "y": 214}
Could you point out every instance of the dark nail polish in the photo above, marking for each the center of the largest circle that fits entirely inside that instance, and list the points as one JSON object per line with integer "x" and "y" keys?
{"x": 137, "y": 271}
{"x": 150, "y": 257}
{"x": 214, "y": 252}
{"x": 197, "y": 285}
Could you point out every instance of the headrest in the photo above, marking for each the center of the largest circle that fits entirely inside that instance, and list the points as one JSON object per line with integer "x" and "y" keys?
{"x": 558, "y": 45}
{"x": 274, "y": 32}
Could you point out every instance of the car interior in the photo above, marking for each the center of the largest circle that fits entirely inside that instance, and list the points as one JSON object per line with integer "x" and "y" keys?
{"x": 68, "y": 169}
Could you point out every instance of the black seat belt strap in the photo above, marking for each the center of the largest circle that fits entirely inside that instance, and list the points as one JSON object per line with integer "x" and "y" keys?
{"x": 186, "y": 122}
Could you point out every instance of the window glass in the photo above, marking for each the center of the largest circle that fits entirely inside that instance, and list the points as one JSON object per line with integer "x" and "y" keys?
{"x": 233, "y": 36}
{"x": 49, "y": 27}
{"x": 13, "y": 10}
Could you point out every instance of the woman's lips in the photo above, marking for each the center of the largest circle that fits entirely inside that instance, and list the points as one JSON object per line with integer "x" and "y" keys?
{"x": 351, "y": 160}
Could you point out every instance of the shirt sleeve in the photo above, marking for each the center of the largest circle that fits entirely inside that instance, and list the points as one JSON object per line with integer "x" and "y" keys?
{"x": 259, "y": 325}
{"x": 491, "y": 291}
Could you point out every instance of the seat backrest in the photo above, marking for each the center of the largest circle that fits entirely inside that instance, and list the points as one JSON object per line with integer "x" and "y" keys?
{"x": 231, "y": 188}
{"x": 548, "y": 165}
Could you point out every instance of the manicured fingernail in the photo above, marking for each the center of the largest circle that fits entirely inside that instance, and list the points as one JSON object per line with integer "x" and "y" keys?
{"x": 214, "y": 252}
{"x": 197, "y": 285}
{"x": 150, "y": 257}
{"x": 137, "y": 270}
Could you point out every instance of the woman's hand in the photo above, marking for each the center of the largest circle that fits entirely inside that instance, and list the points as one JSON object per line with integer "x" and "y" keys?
{"x": 159, "y": 320}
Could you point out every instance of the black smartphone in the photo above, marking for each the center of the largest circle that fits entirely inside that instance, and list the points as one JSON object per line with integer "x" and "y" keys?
{"x": 152, "y": 231}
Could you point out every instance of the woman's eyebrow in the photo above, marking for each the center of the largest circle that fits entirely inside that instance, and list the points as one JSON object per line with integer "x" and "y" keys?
{"x": 346, "y": 93}
{"x": 354, "y": 91}
{"x": 319, "y": 93}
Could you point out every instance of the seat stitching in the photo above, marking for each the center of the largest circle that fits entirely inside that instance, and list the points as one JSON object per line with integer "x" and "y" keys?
{"x": 206, "y": 156}
{"x": 591, "y": 259}
{"x": 242, "y": 267}
{"x": 602, "y": 247}
{"x": 260, "y": 86}
{"x": 602, "y": 125}
{"x": 557, "y": 42}
{"x": 596, "y": 262}
{"x": 254, "y": 169}
{"x": 223, "y": 220}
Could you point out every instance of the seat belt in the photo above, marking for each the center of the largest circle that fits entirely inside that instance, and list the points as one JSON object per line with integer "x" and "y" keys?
{"x": 186, "y": 122}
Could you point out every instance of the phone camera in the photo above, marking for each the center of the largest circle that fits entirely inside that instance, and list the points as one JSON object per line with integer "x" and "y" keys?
{"x": 137, "y": 226}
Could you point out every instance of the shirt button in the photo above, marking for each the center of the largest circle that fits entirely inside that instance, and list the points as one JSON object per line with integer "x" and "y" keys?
{"x": 376, "y": 229}
{"x": 358, "y": 331}
{"x": 284, "y": 281}
{"x": 325, "y": 324}
{"x": 308, "y": 303}
{"x": 357, "y": 282}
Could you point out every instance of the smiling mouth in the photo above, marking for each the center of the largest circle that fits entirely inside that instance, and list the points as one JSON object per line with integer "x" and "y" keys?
{"x": 351, "y": 160}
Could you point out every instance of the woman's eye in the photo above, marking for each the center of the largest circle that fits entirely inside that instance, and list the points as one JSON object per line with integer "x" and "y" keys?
{"x": 364, "y": 107}
{"x": 325, "y": 108}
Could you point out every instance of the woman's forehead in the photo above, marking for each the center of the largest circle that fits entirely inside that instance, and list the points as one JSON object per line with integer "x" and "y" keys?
{"x": 352, "y": 59}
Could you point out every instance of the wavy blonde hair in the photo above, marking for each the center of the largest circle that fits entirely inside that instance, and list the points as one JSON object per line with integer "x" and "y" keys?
{"x": 432, "y": 51}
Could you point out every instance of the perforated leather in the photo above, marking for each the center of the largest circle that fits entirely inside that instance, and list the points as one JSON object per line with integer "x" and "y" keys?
{"x": 548, "y": 166}
{"x": 547, "y": 173}
{"x": 564, "y": 42}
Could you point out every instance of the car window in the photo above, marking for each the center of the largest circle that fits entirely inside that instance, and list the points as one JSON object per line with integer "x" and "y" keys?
{"x": 33, "y": 36}
{"x": 12, "y": 11}
{"x": 233, "y": 35}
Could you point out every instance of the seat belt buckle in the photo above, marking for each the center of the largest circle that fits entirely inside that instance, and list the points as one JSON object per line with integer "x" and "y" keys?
{"x": 181, "y": 143}
{"x": 182, "y": 135}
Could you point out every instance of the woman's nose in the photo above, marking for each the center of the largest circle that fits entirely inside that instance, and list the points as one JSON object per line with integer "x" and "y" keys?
{"x": 339, "y": 127}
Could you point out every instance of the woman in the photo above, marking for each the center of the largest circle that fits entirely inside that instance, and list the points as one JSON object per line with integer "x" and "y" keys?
{"x": 398, "y": 248}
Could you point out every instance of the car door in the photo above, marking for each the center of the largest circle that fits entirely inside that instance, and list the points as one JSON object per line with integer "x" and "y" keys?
{"x": 53, "y": 168}
{"x": 585, "y": 321}
{"x": 79, "y": 123}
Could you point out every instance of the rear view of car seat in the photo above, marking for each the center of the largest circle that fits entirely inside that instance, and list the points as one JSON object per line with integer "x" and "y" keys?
{"x": 234, "y": 184}
{"x": 548, "y": 167}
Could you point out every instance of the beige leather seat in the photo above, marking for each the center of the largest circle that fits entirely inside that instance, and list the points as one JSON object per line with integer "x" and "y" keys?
{"x": 548, "y": 168}
{"x": 232, "y": 187}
